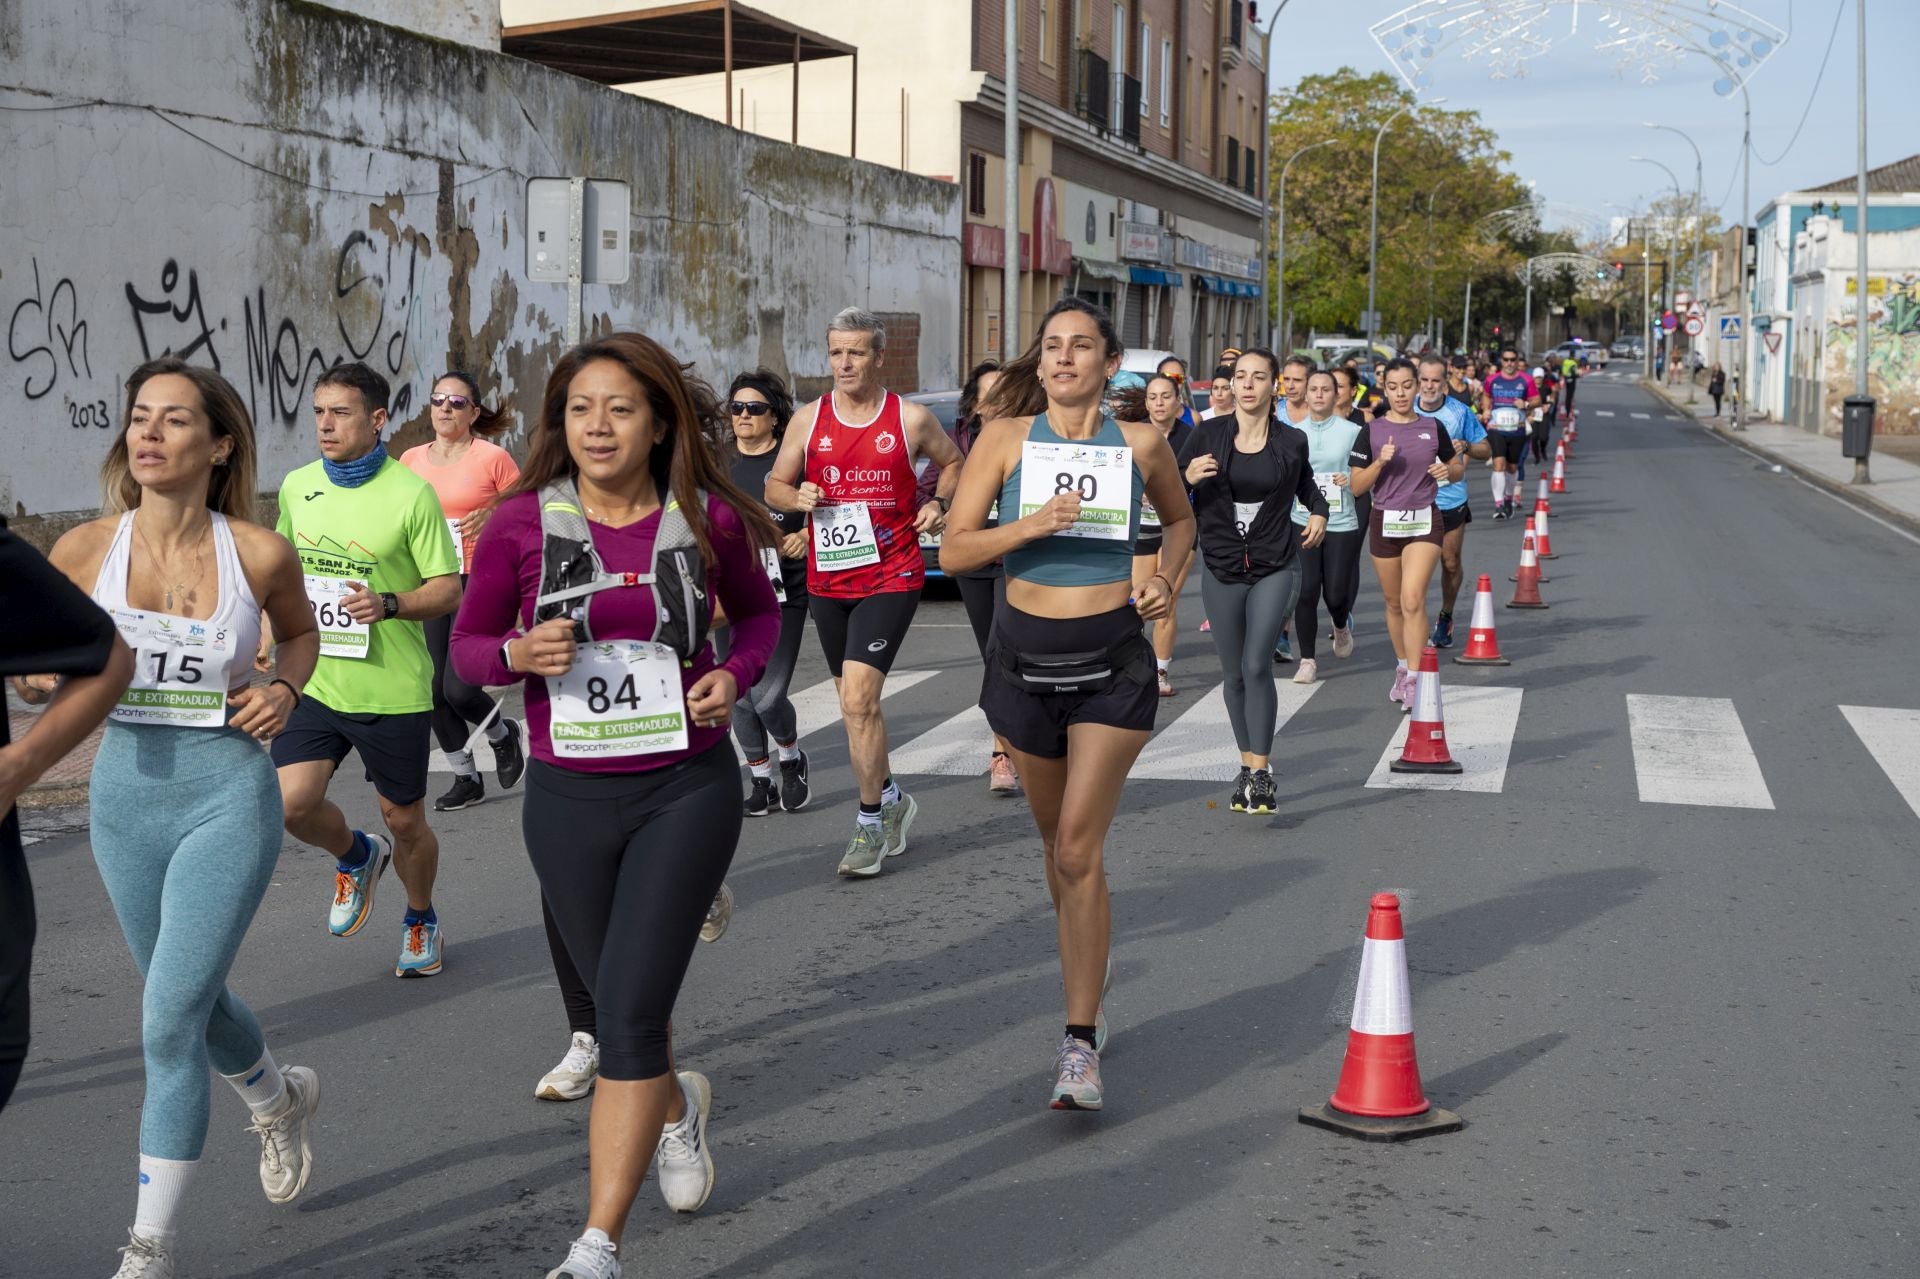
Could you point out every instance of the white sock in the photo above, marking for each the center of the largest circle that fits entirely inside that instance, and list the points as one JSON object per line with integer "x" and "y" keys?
{"x": 789, "y": 750}
{"x": 498, "y": 731}
{"x": 1161, "y": 663}
{"x": 462, "y": 762}
{"x": 1400, "y": 668}
{"x": 890, "y": 795}
{"x": 261, "y": 1085}
{"x": 1499, "y": 487}
{"x": 601, "y": 1237}
{"x": 762, "y": 768}
{"x": 163, "y": 1184}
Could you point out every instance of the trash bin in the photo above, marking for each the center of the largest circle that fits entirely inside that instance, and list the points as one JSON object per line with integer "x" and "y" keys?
{"x": 1856, "y": 426}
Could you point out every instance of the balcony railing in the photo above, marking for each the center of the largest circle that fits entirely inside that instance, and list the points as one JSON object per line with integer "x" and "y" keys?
{"x": 1233, "y": 162}
{"x": 1126, "y": 104}
{"x": 1093, "y": 95}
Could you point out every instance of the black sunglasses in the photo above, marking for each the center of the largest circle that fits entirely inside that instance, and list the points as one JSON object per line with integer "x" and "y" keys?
{"x": 748, "y": 408}
{"x": 444, "y": 401}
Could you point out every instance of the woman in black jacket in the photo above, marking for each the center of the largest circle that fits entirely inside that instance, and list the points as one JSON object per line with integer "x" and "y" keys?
{"x": 1246, "y": 471}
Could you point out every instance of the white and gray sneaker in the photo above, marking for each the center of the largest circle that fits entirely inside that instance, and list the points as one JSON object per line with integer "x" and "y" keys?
{"x": 590, "y": 1257}
{"x": 682, "y": 1161}
{"x": 1100, "y": 1032}
{"x": 573, "y": 1078}
{"x": 286, "y": 1138}
{"x": 714, "y": 927}
{"x": 144, "y": 1258}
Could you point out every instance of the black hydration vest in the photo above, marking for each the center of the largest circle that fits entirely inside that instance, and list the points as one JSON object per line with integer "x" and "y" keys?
{"x": 571, "y": 572}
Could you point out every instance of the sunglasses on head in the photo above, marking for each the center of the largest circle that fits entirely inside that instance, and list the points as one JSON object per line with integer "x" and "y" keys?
{"x": 748, "y": 408}
{"x": 440, "y": 401}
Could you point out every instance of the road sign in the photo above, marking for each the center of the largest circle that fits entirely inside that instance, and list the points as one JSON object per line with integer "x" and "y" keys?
{"x": 1696, "y": 309}
{"x": 1681, "y": 299}
{"x": 1773, "y": 342}
{"x": 1695, "y": 326}
{"x": 1669, "y": 322}
{"x": 1729, "y": 328}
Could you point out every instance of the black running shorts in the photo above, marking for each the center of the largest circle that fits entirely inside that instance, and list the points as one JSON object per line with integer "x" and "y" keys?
{"x": 1512, "y": 445}
{"x": 1382, "y": 547}
{"x": 1037, "y": 723}
{"x": 868, "y": 630}
{"x": 394, "y": 748}
{"x": 1455, "y": 517}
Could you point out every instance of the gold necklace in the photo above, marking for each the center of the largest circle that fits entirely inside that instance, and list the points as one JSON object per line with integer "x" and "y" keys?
{"x": 181, "y": 588}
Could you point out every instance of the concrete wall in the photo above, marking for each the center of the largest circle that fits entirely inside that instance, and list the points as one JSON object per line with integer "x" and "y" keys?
{"x": 474, "y": 22}
{"x": 281, "y": 186}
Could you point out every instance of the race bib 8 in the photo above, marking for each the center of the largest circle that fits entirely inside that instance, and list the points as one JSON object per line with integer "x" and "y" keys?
{"x": 622, "y": 697}
{"x": 1244, "y": 513}
{"x": 181, "y": 668}
{"x": 340, "y": 634}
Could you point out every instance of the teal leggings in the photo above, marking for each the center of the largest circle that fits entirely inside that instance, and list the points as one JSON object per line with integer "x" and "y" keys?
{"x": 186, "y": 831}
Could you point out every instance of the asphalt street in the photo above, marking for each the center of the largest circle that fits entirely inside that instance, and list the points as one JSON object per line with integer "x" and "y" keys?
{"x": 1663, "y": 966}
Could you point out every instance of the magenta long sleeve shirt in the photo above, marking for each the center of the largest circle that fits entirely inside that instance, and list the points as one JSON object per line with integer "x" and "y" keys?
{"x": 505, "y": 580}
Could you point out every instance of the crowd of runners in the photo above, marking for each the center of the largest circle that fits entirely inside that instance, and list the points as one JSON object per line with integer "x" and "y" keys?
{"x": 647, "y": 573}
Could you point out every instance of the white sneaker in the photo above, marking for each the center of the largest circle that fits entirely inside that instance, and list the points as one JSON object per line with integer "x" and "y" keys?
{"x": 144, "y": 1258}
{"x": 590, "y": 1257}
{"x": 1100, "y": 1031}
{"x": 286, "y": 1139}
{"x": 573, "y": 1078}
{"x": 718, "y": 914}
{"x": 1343, "y": 642}
{"x": 682, "y": 1161}
{"x": 1308, "y": 672}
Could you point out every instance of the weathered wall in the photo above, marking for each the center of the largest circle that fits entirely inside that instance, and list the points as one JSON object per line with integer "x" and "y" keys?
{"x": 475, "y": 22}
{"x": 272, "y": 187}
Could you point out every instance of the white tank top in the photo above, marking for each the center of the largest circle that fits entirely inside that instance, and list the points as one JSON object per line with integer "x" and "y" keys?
{"x": 235, "y": 609}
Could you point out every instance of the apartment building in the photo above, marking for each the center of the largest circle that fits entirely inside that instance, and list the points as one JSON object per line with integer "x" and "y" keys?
{"x": 1141, "y": 168}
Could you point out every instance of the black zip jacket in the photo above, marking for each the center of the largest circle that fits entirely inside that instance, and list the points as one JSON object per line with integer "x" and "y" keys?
{"x": 1273, "y": 539}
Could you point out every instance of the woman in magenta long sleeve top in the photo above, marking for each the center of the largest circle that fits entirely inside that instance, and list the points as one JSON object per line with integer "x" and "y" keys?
{"x": 633, "y": 802}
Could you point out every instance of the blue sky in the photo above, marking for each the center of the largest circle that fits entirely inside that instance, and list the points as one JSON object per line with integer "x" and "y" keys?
{"x": 1573, "y": 122}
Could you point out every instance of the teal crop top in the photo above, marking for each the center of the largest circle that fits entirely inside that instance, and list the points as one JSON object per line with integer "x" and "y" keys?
{"x": 1074, "y": 561}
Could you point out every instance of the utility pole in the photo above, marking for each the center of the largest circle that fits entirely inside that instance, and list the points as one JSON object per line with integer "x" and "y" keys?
{"x": 1646, "y": 305}
{"x": 1010, "y": 216}
{"x": 1860, "y": 405}
{"x": 1746, "y": 264}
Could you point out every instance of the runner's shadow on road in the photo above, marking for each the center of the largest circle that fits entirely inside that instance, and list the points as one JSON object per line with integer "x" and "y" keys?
{"x": 1093, "y": 1211}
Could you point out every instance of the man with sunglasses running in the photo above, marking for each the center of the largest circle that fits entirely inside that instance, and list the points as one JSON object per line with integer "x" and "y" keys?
{"x": 847, "y": 461}
{"x": 1509, "y": 387}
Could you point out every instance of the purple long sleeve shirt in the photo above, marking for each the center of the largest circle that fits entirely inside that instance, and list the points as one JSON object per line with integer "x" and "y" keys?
{"x": 505, "y": 580}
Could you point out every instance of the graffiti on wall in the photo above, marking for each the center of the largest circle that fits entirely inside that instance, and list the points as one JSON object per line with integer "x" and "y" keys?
{"x": 1893, "y": 360}
{"x": 47, "y": 340}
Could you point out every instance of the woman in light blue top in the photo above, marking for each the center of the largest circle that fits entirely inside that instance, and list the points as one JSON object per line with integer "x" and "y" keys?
{"x": 1331, "y": 570}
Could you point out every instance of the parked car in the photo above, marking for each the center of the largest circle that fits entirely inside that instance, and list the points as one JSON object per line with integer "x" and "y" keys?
{"x": 945, "y": 407}
{"x": 1594, "y": 353}
{"x": 1629, "y": 348}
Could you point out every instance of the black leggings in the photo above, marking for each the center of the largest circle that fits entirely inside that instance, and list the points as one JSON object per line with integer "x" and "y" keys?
{"x": 766, "y": 710}
{"x": 1329, "y": 571}
{"x": 982, "y": 596}
{"x": 573, "y": 989}
{"x": 458, "y": 707}
{"x": 629, "y": 864}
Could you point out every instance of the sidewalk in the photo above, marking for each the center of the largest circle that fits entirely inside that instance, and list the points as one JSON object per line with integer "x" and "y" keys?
{"x": 1894, "y": 493}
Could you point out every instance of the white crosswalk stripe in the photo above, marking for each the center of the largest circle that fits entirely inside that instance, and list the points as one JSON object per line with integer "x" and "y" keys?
{"x": 957, "y": 747}
{"x": 1603, "y": 413}
{"x": 1693, "y": 750}
{"x": 1199, "y": 747}
{"x": 1481, "y": 722}
{"x": 1892, "y": 736}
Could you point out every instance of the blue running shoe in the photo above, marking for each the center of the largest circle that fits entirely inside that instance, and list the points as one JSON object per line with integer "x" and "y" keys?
{"x": 1282, "y": 649}
{"x": 1442, "y": 631}
{"x": 419, "y": 950}
{"x": 353, "y": 889}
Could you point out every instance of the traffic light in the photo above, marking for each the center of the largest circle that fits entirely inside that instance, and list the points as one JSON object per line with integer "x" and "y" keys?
{"x": 1496, "y": 332}
{"x": 1603, "y": 273}
{"x": 1619, "y": 270}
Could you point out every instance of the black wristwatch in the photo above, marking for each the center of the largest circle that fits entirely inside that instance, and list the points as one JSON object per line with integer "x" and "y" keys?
{"x": 389, "y": 606}
{"x": 945, "y": 504}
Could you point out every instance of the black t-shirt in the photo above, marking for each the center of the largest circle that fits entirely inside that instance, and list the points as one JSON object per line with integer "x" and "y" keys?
{"x": 750, "y": 473}
{"x": 50, "y": 627}
{"x": 1252, "y": 476}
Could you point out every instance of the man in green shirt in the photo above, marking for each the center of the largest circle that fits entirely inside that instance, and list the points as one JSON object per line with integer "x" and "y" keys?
{"x": 378, "y": 560}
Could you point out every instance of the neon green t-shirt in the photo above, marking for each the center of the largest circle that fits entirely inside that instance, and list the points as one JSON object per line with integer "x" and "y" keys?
{"x": 390, "y": 534}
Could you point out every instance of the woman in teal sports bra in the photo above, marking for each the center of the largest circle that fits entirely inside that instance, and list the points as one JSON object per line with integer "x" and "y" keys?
{"x": 1070, "y": 677}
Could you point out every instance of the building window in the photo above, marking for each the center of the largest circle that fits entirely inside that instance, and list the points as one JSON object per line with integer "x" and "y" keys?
{"x": 976, "y": 184}
{"x": 1186, "y": 101}
{"x": 1146, "y": 69}
{"x": 1206, "y": 110}
{"x": 1166, "y": 84}
{"x": 1046, "y": 32}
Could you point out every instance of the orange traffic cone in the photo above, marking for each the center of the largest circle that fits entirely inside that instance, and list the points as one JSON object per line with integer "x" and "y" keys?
{"x": 1380, "y": 1096}
{"x": 1529, "y": 533}
{"x": 1426, "y": 748}
{"x": 1542, "y": 543}
{"x": 1540, "y": 502}
{"x": 1559, "y": 484}
{"x": 1527, "y": 593}
{"x": 1483, "y": 645}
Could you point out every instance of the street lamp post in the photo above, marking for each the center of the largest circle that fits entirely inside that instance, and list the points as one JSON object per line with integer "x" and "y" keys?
{"x": 1678, "y": 196}
{"x": 1861, "y": 403}
{"x": 1373, "y": 221}
{"x": 1280, "y": 241}
{"x": 1270, "y": 249}
{"x": 1693, "y": 230}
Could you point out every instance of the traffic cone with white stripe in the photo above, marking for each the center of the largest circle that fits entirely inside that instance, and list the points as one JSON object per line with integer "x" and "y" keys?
{"x": 1527, "y": 593}
{"x": 1540, "y": 502}
{"x": 1559, "y": 484}
{"x": 1542, "y": 543}
{"x": 1380, "y": 1096}
{"x": 1530, "y": 533}
{"x": 1426, "y": 748}
{"x": 1483, "y": 644}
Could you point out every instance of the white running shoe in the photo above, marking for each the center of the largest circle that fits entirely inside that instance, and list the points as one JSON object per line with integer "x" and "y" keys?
{"x": 1076, "y": 1076}
{"x": 1309, "y": 671}
{"x": 1100, "y": 1032}
{"x": 286, "y": 1139}
{"x": 1343, "y": 642}
{"x": 144, "y": 1258}
{"x": 573, "y": 1078}
{"x": 590, "y": 1257}
{"x": 682, "y": 1161}
{"x": 718, "y": 914}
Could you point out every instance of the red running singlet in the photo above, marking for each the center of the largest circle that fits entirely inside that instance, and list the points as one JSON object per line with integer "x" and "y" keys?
{"x": 868, "y": 464}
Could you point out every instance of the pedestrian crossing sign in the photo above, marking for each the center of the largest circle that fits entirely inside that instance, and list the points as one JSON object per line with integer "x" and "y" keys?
{"x": 1729, "y": 328}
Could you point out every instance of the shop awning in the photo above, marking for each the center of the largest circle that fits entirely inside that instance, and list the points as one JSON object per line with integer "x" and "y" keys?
{"x": 1226, "y": 288}
{"x": 1153, "y": 275}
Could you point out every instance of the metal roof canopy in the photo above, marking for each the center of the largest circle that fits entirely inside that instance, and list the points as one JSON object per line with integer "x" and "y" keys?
{"x": 695, "y": 37}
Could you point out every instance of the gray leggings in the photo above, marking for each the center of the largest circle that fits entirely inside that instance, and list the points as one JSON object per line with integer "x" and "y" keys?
{"x": 1246, "y": 622}
{"x": 765, "y": 710}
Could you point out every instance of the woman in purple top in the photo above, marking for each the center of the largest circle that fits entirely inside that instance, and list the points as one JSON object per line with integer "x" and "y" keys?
{"x": 633, "y": 803}
{"x": 1412, "y": 456}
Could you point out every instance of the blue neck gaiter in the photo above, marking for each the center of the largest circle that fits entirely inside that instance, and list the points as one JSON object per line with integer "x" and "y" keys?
{"x": 351, "y": 475}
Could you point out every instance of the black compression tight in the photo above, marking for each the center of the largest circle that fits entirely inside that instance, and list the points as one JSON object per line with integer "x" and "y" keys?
{"x": 458, "y": 707}
{"x": 573, "y": 988}
{"x": 1329, "y": 571}
{"x": 629, "y": 864}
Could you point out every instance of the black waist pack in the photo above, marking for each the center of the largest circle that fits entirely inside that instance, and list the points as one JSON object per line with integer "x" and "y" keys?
{"x": 1051, "y": 674}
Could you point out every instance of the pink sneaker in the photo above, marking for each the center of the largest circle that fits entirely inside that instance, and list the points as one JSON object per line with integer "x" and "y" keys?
{"x": 1402, "y": 689}
{"x": 1205, "y": 626}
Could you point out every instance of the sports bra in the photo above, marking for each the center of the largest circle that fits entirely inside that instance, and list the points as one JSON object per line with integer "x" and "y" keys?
{"x": 1074, "y": 561}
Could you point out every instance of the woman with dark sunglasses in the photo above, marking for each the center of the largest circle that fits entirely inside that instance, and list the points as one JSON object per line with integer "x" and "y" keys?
{"x": 758, "y": 409}
{"x": 467, "y": 471}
